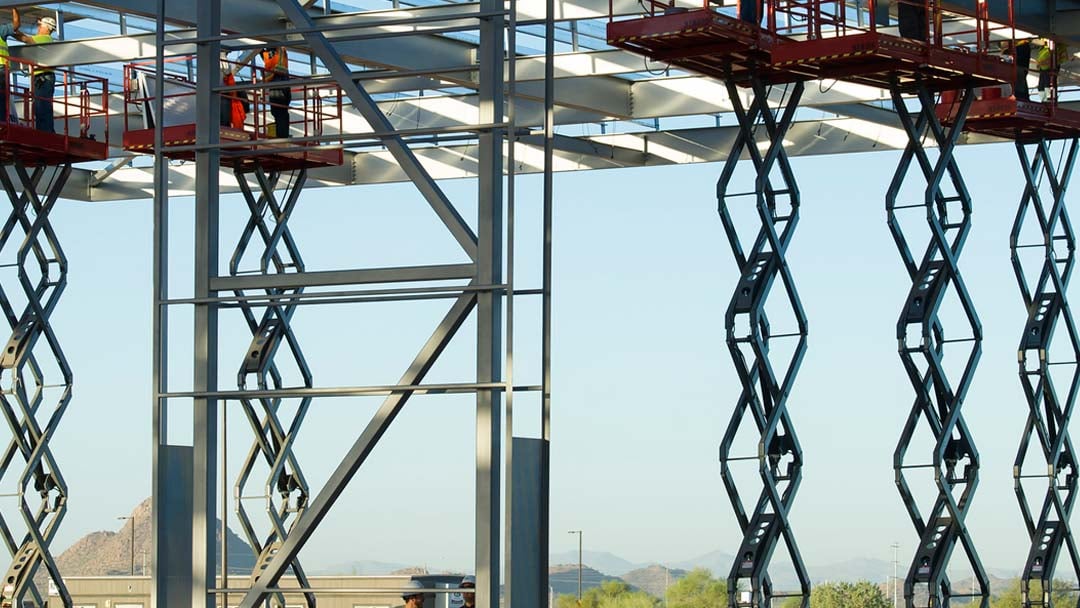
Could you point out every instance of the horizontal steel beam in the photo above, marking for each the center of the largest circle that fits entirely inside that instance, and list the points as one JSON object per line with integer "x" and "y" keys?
{"x": 613, "y": 151}
{"x": 366, "y": 276}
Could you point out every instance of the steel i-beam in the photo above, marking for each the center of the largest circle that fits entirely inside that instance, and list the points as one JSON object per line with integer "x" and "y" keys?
{"x": 766, "y": 377}
{"x": 1043, "y": 280}
{"x": 36, "y": 379}
{"x": 284, "y": 490}
{"x": 940, "y": 369}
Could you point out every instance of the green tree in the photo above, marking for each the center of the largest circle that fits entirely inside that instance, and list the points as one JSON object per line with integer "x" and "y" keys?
{"x": 611, "y": 594}
{"x": 862, "y": 594}
{"x": 1059, "y": 595}
{"x": 698, "y": 589}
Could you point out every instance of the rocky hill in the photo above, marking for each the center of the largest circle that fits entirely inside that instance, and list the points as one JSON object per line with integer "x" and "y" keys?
{"x": 654, "y": 579}
{"x": 563, "y": 578}
{"x": 106, "y": 553}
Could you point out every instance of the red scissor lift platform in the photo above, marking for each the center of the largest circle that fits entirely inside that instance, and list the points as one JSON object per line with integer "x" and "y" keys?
{"x": 701, "y": 40}
{"x": 74, "y": 115}
{"x": 1010, "y": 118}
{"x": 874, "y": 58}
{"x": 241, "y": 148}
{"x": 814, "y": 39}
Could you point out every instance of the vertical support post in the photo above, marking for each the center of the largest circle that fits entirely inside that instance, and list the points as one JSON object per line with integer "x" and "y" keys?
{"x": 940, "y": 370}
{"x": 159, "y": 596}
{"x": 767, "y": 377}
{"x": 1043, "y": 275}
{"x": 489, "y": 352}
{"x": 205, "y": 437}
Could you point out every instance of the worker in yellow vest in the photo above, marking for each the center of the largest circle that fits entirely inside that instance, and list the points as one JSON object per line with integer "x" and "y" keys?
{"x": 7, "y": 30}
{"x": 276, "y": 69}
{"x": 44, "y": 78}
{"x": 1049, "y": 59}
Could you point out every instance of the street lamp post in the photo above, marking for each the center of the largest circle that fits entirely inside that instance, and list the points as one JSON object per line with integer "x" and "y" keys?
{"x": 579, "y": 535}
{"x": 132, "y": 518}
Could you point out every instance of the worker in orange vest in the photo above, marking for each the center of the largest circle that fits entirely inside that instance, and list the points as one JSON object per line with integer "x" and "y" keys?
{"x": 276, "y": 69}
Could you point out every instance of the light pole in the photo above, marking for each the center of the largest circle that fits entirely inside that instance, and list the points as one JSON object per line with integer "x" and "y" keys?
{"x": 579, "y": 535}
{"x": 895, "y": 571}
{"x": 132, "y": 518}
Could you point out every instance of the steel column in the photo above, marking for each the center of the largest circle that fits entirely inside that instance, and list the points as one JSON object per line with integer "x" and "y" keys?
{"x": 939, "y": 369}
{"x": 35, "y": 377}
{"x": 207, "y": 219}
{"x": 1044, "y": 279}
{"x": 766, "y": 378}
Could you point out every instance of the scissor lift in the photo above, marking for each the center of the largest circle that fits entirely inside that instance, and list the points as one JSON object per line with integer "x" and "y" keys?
{"x": 271, "y": 173}
{"x": 796, "y": 41}
{"x": 1043, "y": 248}
{"x": 35, "y": 379}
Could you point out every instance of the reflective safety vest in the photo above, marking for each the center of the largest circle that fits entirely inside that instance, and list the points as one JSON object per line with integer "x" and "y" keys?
{"x": 276, "y": 60}
{"x": 3, "y": 53}
{"x": 1045, "y": 59}
{"x": 42, "y": 39}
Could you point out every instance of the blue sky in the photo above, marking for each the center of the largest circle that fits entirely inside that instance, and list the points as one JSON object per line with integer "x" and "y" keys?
{"x": 643, "y": 385}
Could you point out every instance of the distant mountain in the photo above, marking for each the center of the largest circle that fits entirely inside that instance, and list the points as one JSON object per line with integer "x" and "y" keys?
{"x": 107, "y": 553}
{"x": 601, "y": 560}
{"x": 563, "y": 578}
{"x": 654, "y": 579}
{"x": 855, "y": 569}
{"x": 717, "y": 562}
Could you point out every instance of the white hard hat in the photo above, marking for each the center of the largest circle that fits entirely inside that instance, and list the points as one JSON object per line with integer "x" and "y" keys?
{"x": 412, "y": 588}
{"x": 50, "y": 23}
{"x": 468, "y": 579}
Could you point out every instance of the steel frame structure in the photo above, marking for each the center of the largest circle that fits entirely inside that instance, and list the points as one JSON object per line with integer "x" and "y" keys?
{"x": 766, "y": 379}
{"x": 939, "y": 389}
{"x": 269, "y": 297}
{"x": 1043, "y": 282}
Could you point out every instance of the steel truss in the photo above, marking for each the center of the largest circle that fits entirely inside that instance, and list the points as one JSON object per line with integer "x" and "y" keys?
{"x": 1043, "y": 286}
{"x": 34, "y": 373}
{"x": 285, "y": 489}
{"x": 274, "y": 376}
{"x": 766, "y": 379}
{"x": 923, "y": 346}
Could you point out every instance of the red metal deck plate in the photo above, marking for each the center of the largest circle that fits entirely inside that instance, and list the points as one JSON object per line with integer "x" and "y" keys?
{"x": 701, "y": 41}
{"x": 871, "y": 58}
{"x": 245, "y": 157}
{"x": 37, "y": 148}
{"x": 1017, "y": 120}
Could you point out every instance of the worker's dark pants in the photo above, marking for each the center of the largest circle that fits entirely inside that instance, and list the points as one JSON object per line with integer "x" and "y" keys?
{"x": 1023, "y": 62}
{"x": 751, "y": 11}
{"x": 43, "y": 101}
{"x": 912, "y": 20}
{"x": 279, "y": 106}
{"x": 4, "y": 87}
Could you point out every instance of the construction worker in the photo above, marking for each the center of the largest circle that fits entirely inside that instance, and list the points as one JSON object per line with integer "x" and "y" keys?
{"x": 44, "y": 78}
{"x": 1023, "y": 64}
{"x": 413, "y": 596}
{"x": 276, "y": 69}
{"x": 468, "y": 582}
{"x": 1049, "y": 59}
{"x": 7, "y": 30}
